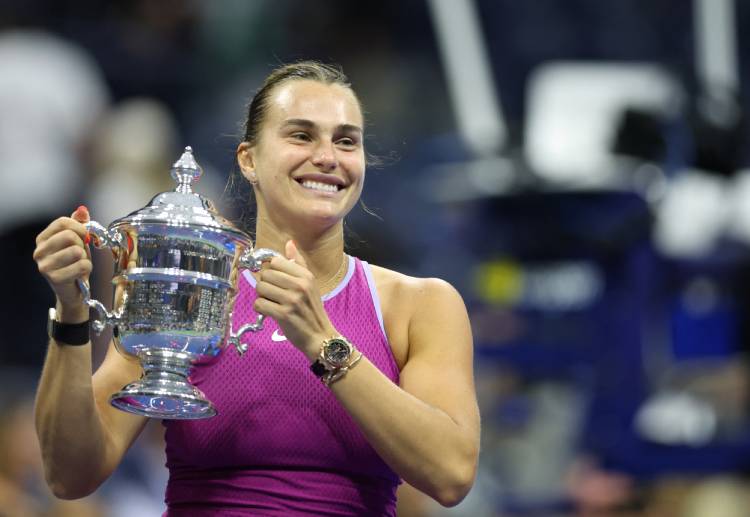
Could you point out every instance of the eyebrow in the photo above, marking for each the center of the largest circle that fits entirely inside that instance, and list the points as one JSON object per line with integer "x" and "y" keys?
{"x": 309, "y": 124}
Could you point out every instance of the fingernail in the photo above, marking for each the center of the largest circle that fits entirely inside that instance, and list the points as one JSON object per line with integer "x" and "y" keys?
{"x": 87, "y": 239}
{"x": 82, "y": 208}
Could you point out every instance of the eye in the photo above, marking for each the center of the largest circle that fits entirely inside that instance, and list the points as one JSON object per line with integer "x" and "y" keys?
{"x": 347, "y": 142}
{"x": 300, "y": 135}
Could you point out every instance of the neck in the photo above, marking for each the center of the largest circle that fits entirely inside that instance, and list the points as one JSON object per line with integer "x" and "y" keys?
{"x": 323, "y": 250}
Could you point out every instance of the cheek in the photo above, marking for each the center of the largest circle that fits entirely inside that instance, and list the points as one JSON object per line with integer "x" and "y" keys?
{"x": 356, "y": 194}
{"x": 288, "y": 160}
{"x": 355, "y": 165}
{"x": 361, "y": 181}
{"x": 272, "y": 170}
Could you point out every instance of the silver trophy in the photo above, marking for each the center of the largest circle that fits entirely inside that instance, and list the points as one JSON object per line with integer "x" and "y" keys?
{"x": 177, "y": 263}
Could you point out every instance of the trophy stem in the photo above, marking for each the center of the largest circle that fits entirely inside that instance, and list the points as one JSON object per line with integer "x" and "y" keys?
{"x": 164, "y": 391}
{"x": 165, "y": 361}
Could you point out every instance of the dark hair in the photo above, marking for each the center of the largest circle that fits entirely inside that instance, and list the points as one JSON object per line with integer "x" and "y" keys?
{"x": 303, "y": 70}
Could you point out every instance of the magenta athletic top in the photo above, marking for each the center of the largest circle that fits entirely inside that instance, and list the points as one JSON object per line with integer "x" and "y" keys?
{"x": 281, "y": 443}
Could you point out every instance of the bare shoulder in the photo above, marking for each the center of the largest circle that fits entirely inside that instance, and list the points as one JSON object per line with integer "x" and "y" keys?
{"x": 412, "y": 307}
{"x": 396, "y": 287}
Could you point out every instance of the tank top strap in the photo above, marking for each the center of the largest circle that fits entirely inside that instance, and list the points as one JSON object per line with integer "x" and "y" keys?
{"x": 360, "y": 296}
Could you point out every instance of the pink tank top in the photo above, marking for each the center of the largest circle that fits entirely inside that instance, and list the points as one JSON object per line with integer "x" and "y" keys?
{"x": 281, "y": 443}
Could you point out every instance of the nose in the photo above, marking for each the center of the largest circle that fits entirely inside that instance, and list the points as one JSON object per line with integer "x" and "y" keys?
{"x": 325, "y": 158}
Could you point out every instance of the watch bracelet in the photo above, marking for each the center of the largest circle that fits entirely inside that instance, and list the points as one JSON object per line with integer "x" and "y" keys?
{"x": 334, "y": 375}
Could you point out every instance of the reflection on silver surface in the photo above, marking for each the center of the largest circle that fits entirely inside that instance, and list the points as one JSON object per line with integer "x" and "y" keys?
{"x": 177, "y": 265}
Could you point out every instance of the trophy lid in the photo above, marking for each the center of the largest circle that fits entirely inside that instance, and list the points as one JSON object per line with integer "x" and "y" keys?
{"x": 181, "y": 207}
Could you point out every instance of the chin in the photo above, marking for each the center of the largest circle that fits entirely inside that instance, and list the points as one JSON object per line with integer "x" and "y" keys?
{"x": 323, "y": 220}
{"x": 324, "y": 216}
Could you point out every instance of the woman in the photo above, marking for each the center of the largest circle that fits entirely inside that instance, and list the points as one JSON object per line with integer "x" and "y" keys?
{"x": 394, "y": 352}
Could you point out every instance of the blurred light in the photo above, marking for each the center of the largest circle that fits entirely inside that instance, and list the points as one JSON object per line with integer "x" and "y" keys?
{"x": 676, "y": 419}
{"x": 467, "y": 181}
{"x": 574, "y": 110}
{"x": 692, "y": 215}
{"x": 559, "y": 286}
{"x": 649, "y": 180}
{"x": 739, "y": 202}
{"x": 468, "y": 69}
{"x": 51, "y": 94}
{"x": 499, "y": 282}
{"x": 716, "y": 47}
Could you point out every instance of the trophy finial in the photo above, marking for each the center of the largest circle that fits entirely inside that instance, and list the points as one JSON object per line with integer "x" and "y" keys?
{"x": 186, "y": 171}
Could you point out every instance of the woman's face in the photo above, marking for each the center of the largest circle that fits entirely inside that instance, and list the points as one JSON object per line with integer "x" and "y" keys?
{"x": 308, "y": 165}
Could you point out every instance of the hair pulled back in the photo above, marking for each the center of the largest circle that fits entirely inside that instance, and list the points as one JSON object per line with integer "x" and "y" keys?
{"x": 303, "y": 70}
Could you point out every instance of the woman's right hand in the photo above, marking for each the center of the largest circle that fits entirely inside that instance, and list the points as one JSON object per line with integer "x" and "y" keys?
{"x": 62, "y": 256}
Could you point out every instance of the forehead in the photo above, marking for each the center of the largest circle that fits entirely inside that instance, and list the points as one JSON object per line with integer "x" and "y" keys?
{"x": 324, "y": 104}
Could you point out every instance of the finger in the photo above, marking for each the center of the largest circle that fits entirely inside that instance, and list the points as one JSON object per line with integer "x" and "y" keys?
{"x": 274, "y": 293}
{"x": 79, "y": 269}
{"x": 60, "y": 224}
{"x": 293, "y": 254}
{"x": 287, "y": 266}
{"x": 268, "y": 308}
{"x": 61, "y": 259}
{"x": 59, "y": 241}
{"x": 81, "y": 214}
{"x": 279, "y": 278}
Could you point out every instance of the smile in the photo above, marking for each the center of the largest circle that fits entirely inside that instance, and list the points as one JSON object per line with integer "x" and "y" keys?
{"x": 319, "y": 186}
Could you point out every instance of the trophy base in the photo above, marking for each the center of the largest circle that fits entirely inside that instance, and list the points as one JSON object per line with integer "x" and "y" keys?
{"x": 164, "y": 390}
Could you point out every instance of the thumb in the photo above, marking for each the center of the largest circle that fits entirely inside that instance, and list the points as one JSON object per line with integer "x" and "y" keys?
{"x": 292, "y": 253}
{"x": 81, "y": 214}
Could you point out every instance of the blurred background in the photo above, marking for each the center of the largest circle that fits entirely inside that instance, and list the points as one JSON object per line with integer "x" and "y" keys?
{"x": 577, "y": 169}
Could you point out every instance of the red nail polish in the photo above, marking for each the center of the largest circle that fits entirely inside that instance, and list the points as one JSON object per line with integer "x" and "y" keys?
{"x": 87, "y": 239}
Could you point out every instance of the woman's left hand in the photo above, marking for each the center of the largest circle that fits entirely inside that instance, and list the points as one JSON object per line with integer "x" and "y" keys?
{"x": 287, "y": 293}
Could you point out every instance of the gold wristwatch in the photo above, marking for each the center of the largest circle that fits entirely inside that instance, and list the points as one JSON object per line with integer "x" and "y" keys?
{"x": 335, "y": 359}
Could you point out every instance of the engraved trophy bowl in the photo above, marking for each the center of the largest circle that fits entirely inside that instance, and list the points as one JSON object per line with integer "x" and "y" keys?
{"x": 177, "y": 263}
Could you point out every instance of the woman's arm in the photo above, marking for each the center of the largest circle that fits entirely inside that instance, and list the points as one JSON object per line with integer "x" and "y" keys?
{"x": 426, "y": 429}
{"x": 82, "y": 437}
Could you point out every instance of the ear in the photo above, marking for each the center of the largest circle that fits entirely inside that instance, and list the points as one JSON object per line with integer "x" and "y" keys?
{"x": 246, "y": 161}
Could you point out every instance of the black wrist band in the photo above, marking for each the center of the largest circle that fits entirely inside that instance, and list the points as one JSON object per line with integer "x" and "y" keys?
{"x": 318, "y": 368}
{"x": 74, "y": 334}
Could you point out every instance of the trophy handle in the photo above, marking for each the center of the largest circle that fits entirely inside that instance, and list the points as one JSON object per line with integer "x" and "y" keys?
{"x": 102, "y": 238}
{"x": 252, "y": 260}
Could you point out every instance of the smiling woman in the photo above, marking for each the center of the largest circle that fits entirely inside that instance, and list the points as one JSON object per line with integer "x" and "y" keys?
{"x": 306, "y": 161}
{"x": 362, "y": 376}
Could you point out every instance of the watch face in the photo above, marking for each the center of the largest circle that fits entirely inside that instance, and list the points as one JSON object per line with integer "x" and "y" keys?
{"x": 337, "y": 352}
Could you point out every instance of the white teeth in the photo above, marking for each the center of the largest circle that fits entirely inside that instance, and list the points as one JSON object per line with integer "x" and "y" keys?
{"x": 316, "y": 185}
